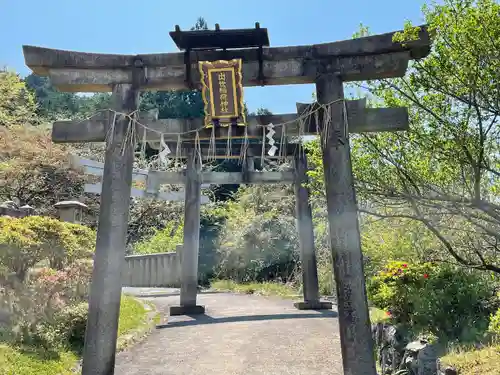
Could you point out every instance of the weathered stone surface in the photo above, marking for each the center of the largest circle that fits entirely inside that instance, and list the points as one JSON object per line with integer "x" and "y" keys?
{"x": 40, "y": 59}
{"x": 105, "y": 292}
{"x": 359, "y": 120}
{"x": 191, "y": 243}
{"x": 390, "y": 343}
{"x": 70, "y": 211}
{"x": 345, "y": 243}
{"x": 284, "y": 72}
{"x": 371, "y": 57}
{"x": 305, "y": 230}
{"x": 427, "y": 360}
{"x": 313, "y": 305}
{"x": 224, "y": 178}
{"x": 151, "y": 270}
{"x": 186, "y": 310}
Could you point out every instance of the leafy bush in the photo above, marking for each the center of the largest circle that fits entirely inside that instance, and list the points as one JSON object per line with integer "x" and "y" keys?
{"x": 324, "y": 257}
{"x": 212, "y": 220}
{"x": 31, "y": 310}
{"x": 449, "y": 302}
{"x": 26, "y": 241}
{"x": 71, "y": 283}
{"x": 163, "y": 241}
{"x": 71, "y": 325}
{"x": 392, "y": 239}
{"x": 62, "y": 242}
{"x": 147, "y": 216}
{"x": 20, "y": 247}
{"x": 494, "y": 327}
{"x": 264, "y": 248}
{"x": 259, "y": 239}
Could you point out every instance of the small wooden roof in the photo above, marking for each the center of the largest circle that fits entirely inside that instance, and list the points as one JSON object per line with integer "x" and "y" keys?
{"x": 220, "y": 39}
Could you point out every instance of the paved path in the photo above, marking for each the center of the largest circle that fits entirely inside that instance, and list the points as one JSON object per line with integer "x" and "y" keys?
{"x": 239, "y": 334}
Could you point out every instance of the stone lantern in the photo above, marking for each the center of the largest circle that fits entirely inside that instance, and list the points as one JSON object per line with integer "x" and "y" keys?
{"x": 26, "y": 210}
{"x": 70, "y": 211}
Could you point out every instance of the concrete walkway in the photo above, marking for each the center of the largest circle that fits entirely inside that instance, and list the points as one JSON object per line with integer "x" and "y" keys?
{"x": 239, "y": 334}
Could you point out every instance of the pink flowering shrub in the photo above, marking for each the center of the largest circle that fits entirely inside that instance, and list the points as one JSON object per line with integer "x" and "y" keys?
{"x": 37, "y": 308}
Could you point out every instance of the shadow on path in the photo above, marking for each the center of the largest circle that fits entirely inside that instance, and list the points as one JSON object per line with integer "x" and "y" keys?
{"x": 173, "y": 294}
{"x": 205, "y": 319}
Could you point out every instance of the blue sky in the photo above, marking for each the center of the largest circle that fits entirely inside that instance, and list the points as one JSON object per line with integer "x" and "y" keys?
{"x": 133, "y": 27}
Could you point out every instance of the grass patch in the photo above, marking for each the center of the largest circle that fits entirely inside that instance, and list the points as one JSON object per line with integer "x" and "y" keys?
{"x": 37, "y": 361}
{"x": 136, "y": 321}
{"x": 157, "y": 316}
{"x": 483, "y": 361}
{"x": 280, "y": 290}
{"x": 261, "y": 289}
{"x": 132, "y": 315}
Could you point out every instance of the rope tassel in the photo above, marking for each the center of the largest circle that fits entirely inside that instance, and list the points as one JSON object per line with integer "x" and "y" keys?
{"x": 197, "y": 145}
{"x": 228, "y": 145}
{"x": 244, "y": 147}
{"x": 211, "y": 147}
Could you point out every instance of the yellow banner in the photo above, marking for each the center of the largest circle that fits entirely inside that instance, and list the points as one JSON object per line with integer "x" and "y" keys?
{"x": 222, "y": 92}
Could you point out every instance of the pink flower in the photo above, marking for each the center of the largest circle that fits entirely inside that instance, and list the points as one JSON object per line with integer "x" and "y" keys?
{"x": 405, "y": 265}
{"x": 426, "y": 276}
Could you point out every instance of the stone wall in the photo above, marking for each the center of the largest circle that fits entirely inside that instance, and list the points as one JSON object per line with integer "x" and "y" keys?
{"x": 152, "y": 270}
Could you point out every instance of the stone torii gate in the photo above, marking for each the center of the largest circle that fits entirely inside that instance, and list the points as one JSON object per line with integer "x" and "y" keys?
{"x": 327, "y": 65}
{"x": 360, "y": 119}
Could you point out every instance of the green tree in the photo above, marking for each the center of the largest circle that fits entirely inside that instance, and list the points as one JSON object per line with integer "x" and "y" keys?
{"x": 445, "y": 172}
{"x": 147, "y": 216}
{"x": 163, "y": 241}
{"x": 176, "y": 104}
{"x": 201, "y": 24}
{"x": 34, "y": 171}
{"x": 393, "y": 239}
{"x": 53, "y": 104}
{"x": 259, "y": 239}
{"x": 261, "y": 111}
{"x": 17, "y": 105}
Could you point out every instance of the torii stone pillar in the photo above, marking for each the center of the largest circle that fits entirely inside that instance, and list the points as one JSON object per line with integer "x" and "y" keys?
{"x": 105, "y": 290}
{"x": 345, "y": 243}
{"x": 190, "y": 248}
{"x": 305, "y": 230}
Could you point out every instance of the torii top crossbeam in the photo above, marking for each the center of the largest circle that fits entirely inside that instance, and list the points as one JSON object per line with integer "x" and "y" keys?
{"x": 372, "y": 57}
